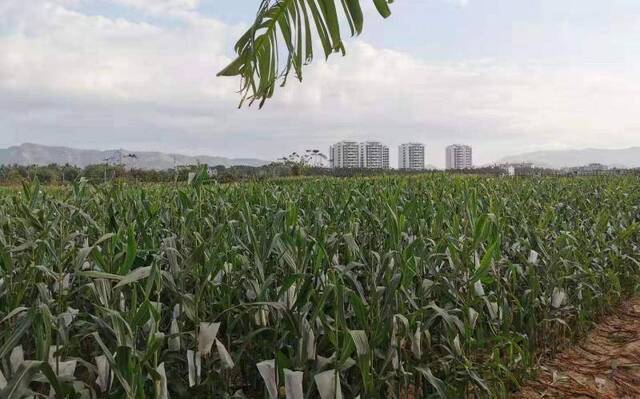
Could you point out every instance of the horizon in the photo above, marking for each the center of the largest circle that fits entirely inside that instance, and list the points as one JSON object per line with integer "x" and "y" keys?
{"x": 506, "y": 79}
{"x": 507, "y": 160}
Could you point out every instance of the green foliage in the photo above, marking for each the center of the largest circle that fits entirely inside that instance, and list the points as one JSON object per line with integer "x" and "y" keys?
{"x": 101, "y": 173}
{"x": 50, "y": 174}
{"x": 287, "y": 29}
{"x": 381, "y": 287}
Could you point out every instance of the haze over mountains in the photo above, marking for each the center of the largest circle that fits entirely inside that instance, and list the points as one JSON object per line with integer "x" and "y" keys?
{"x": 35, "y": 154}
{"x": 621, "y": 158}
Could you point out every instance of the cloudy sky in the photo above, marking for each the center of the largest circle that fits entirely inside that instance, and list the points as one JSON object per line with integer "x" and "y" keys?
{"x": 506, "y": 76}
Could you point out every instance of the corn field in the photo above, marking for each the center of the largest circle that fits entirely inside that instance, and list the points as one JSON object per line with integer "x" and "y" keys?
{"x": 394, "y": 287}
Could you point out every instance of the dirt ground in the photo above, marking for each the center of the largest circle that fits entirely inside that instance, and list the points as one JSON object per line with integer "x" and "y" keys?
{"x": 605, "y": 366}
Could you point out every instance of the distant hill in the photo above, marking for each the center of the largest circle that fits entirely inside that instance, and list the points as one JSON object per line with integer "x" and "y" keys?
{"x": 35, "y": 154}
{"x": 622, "y": 158}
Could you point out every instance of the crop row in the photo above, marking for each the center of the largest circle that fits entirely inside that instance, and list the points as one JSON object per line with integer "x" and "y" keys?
{"x": 395, "y": 287}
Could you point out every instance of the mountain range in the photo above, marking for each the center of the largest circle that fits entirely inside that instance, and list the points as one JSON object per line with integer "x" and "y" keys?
{"x": 36, "y": 154}
{"x": 620, "y": 158}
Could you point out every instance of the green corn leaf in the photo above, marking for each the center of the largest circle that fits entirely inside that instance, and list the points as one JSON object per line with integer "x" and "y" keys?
{"x": 131, "y": 252}
{"x": 18, "y": 385}
{"x": 434, "y": 381}
{"x": 485, "y": 263}
{"x": 16, "y": 333}
{"x": 113, "y": 365}
{"x": 361, "y": 342}
{"x": 136, "y": 275}
{"x": 258, "y": 62}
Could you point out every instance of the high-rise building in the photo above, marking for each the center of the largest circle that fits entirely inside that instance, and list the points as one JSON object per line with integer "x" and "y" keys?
{"x": 459, "y": 157}
{"x": 374, "y": 155}
{"x": 411, "y": 156}
{"x": 344, "y": 155}
{"x": 368, "y": 154}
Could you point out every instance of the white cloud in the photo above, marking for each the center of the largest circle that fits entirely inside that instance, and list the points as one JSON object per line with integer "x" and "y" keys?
{"x": 161, "y": 6}
{"x": 460, "y": 3}
{"x": 84, "y": 80}
{"x": 59, "y": 51}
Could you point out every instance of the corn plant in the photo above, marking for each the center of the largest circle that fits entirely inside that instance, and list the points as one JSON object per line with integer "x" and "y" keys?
{"x": 394, "y": 287}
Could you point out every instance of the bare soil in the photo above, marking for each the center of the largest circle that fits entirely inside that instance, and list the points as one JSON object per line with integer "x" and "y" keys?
{"x": 606, "y": 365}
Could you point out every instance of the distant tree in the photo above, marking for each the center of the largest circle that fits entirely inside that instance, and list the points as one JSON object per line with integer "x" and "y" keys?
{"x": 94, "y": 173}
{"x": 49, "y": 174}
{"x": 69, "y": 173}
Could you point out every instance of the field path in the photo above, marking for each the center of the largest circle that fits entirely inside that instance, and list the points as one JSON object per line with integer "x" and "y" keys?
{"x": 605, "y": 365}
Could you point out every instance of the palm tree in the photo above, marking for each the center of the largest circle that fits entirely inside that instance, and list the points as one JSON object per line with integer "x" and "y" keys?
{"x": 290, "y": 27}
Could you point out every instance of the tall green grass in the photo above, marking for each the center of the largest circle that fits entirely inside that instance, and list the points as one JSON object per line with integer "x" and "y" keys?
{"x": 371, "y": 287}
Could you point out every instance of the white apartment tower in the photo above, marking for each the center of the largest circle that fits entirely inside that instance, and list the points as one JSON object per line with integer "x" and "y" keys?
{"x": 345, "y": 155}
{"x": 459, "y": 157}
{"x": 374, "y": 155}
{"x": 411, "y": 156}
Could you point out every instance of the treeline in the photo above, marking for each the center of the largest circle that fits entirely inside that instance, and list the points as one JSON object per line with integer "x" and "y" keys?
{"x": 99, "y": 173}
{"x": 62, "y": 174}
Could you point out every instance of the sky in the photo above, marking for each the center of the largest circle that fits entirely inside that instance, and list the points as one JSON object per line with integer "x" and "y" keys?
{"x": 505, "y": 76}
